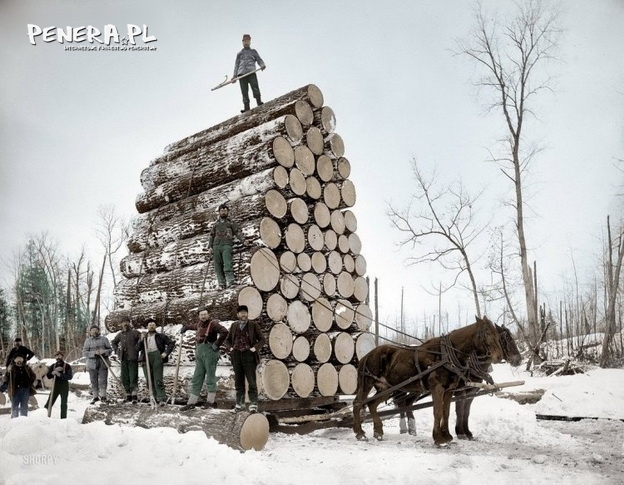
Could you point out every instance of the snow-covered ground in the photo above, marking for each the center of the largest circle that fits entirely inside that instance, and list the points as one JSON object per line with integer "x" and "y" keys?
{"x": 511, "y": 446}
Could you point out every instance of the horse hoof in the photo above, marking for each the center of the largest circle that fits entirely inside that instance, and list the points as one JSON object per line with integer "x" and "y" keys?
{"x": 361, "y": 437}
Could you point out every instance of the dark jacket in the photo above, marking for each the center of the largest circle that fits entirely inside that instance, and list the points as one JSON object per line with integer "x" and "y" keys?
{"x": 210, "y": 331}
{"x": 163, "y": 343}
{"x": 65, "y": 370}
{"x": 255, "y": 335}
{"x": 125, "y": 344}
{"x": 223, "y": 231}
{"x": 21, "y": 350}
{"x": 19, "y": 376}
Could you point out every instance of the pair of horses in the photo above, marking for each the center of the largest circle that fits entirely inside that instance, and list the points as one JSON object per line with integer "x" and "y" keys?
{"x": 437, "y": 367}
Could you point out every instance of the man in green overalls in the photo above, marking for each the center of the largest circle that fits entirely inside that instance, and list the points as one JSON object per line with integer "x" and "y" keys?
{"x": 221, "y": 239}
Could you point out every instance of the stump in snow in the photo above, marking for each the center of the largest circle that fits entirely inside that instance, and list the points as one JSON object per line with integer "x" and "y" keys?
{"x": 242, "y": 431}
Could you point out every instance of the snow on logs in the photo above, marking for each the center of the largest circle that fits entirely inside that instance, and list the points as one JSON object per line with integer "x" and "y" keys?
{"x": 282, "y": 170}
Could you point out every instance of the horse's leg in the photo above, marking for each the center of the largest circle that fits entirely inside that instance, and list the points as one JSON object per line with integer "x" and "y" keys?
{"x": 444, "y": 427}
{"x": 460, "y": 414}
{"x": 466, "y": 416}
{"x": 377, "y": 424}
{"x": 402, "y": 425}
{"x": 411, "y": 422}
{"x": 357, "y": 412}
{"x": 437, "y": 396}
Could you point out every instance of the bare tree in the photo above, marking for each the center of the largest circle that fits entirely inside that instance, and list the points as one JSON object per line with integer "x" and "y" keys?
{"x": 613, "y": 267}
{"x": 511, "y": 55}
{"x": 444, "y": 217}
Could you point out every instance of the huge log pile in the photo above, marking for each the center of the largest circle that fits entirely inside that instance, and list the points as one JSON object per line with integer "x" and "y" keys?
{"x": 281, "y": 169}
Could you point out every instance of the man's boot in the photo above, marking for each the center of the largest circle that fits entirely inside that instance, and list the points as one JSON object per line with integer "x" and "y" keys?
{"x": 259, "y": 101}
{"x": 210, "y": 401}
{"x": 245, "y": 107}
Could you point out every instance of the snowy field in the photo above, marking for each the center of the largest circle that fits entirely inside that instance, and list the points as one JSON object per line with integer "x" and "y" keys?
{"x": 511, "y": 446}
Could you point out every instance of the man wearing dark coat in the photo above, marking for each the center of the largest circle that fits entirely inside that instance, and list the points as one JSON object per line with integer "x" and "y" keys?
{"x": 158, "y": 346}
{"x": 19, "y": 349}
{"x": 245, "y": 63}
{"x": 61, "y": 372}
{"x": 125, "y": 346}
{"x": 19, "y": 381}
{"x": 244, "y": 340}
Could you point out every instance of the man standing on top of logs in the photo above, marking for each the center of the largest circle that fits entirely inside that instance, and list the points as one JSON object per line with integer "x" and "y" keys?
{"x": 209, "y": 336}
{"x": 125, "y": 346}
{"x": 96, "y": 349}
{"x": 246, "y": 63}
{"x": 243, "y": 341}
{"x": 220, "y": 242}
{"x": 62, "y": 373}
{"x": 159, "y": 346}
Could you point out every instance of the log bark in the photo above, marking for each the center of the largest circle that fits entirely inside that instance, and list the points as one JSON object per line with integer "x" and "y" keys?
{"x": 287, "y": 126}
{"x": 218, "y": 171}
{"x": 286, "y": 104}
{"x": 240, "y": 431}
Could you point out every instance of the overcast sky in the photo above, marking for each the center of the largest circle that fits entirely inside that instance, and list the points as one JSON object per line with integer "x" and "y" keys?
{"x": 77, "y": 128}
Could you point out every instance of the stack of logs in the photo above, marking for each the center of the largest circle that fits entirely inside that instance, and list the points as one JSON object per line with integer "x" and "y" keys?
{"x": 282, "y": 171}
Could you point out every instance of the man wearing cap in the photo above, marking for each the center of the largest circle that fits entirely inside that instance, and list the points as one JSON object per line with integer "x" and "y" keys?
{"x": 220, "y": 242}
{"x": 243, "y": 341}
{"x": 19, "y": 381}
{"x": 125, "y": 346}
{"x": 245, "y": 63}
{"x": 159, "y": 346}
{"x": 209, "y": 336}
{"x": 96, "y": 349}
{"x": 19, "y": 349}
{"x": 62, "y": 373}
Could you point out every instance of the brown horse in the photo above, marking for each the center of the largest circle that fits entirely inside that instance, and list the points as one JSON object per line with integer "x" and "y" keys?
{"x": 462, "y": 405}
{"x": 436, "y": 367}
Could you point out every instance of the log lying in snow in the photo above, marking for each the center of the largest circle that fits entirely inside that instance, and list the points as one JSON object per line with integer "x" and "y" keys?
{"x": 241, "y": 431}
